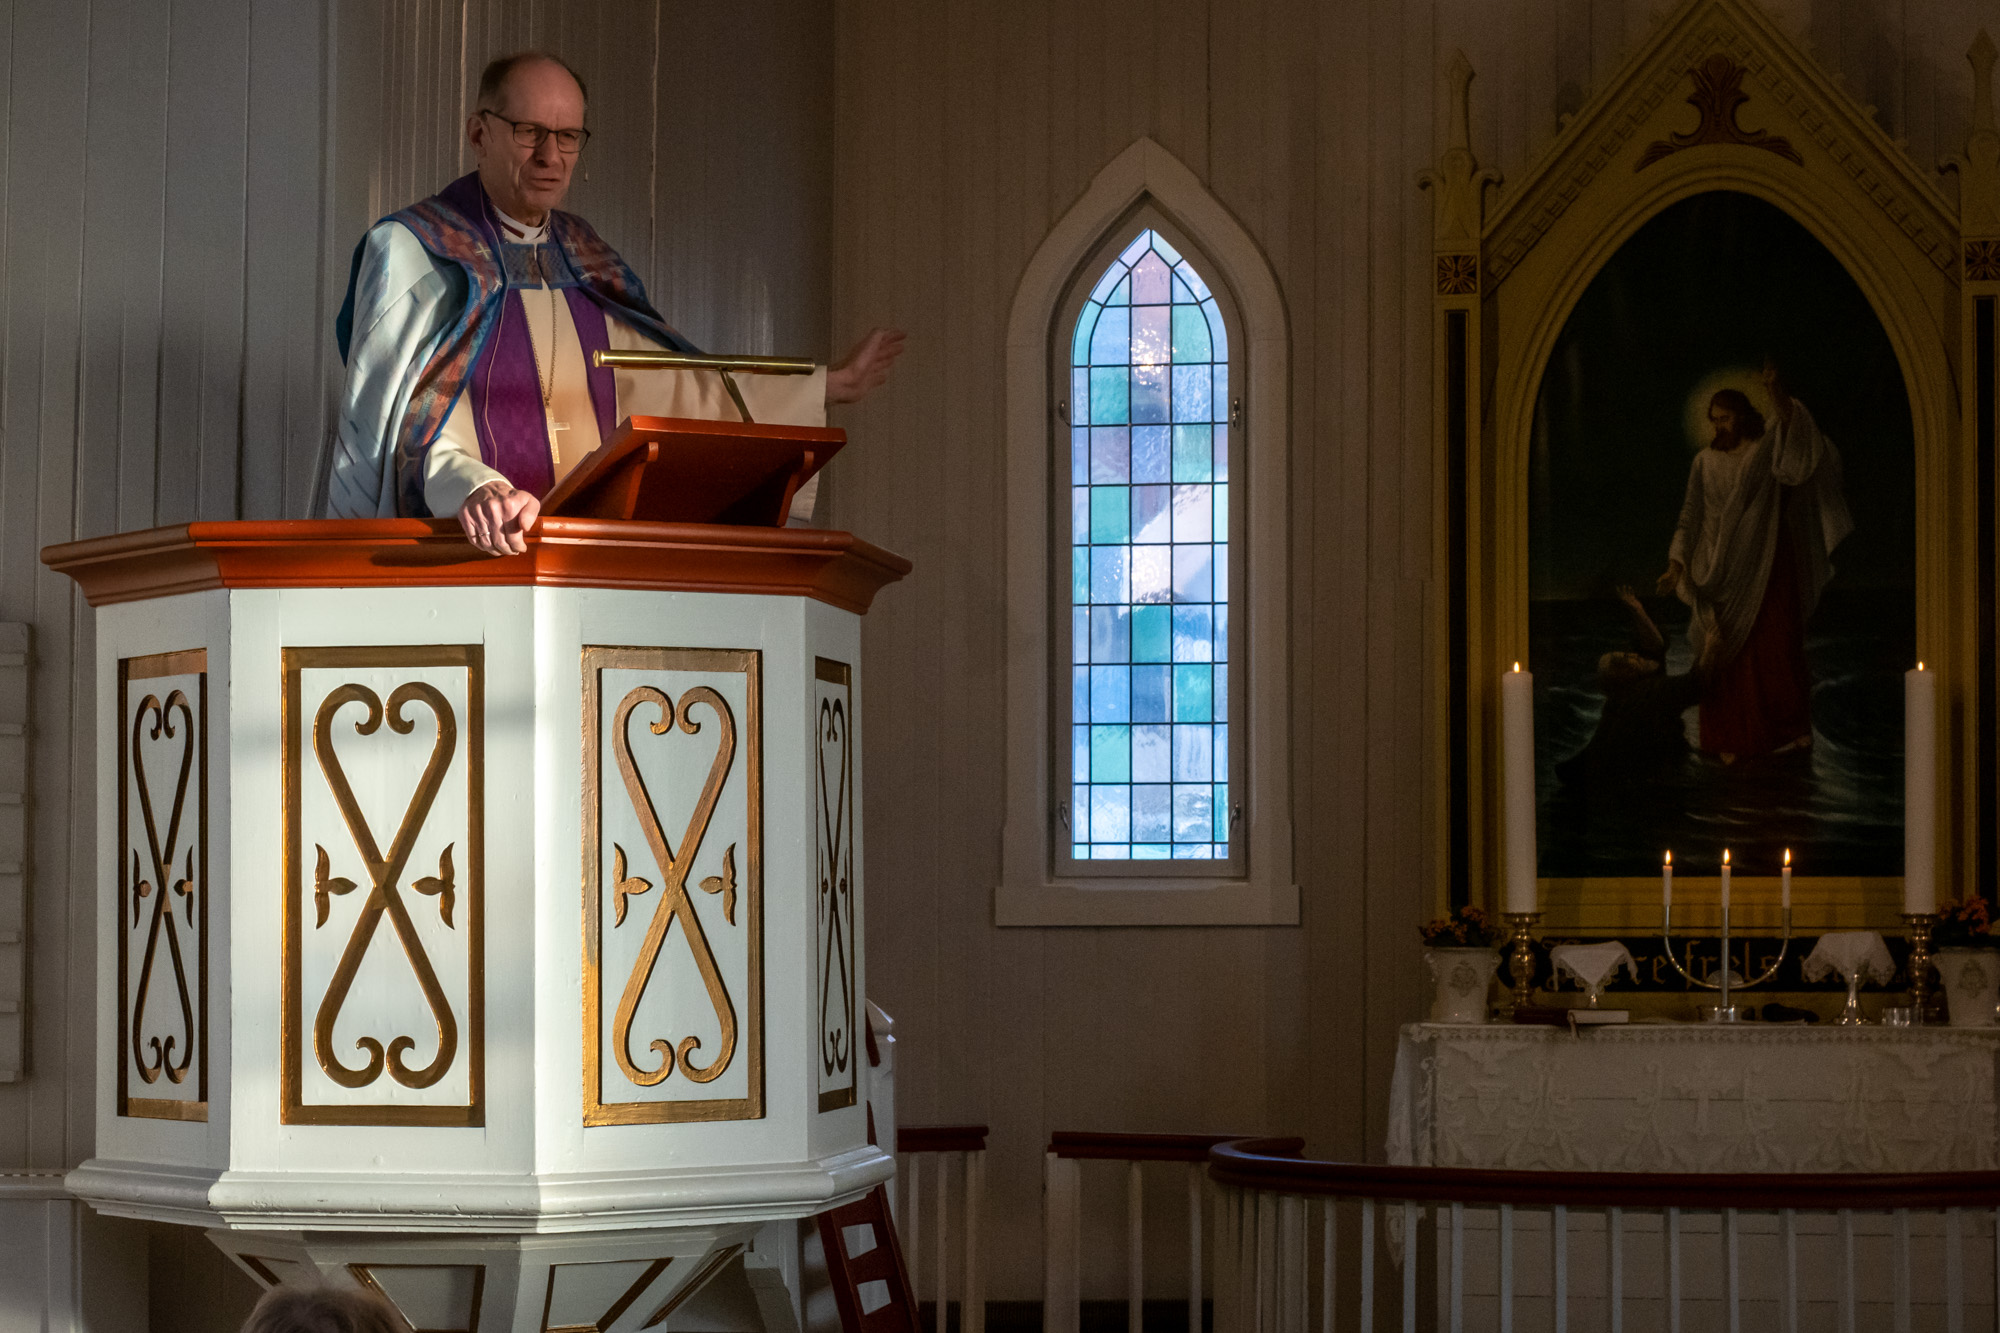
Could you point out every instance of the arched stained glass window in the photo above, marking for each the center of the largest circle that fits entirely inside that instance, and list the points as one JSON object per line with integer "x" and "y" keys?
{"x": 1147, "y": 730}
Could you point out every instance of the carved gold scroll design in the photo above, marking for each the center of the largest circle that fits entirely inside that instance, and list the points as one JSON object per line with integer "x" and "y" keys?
{"x": 409, "y": 705}
{"x": 1717, "y": 96}
{"x": 157, "y": 880}
{"x": 1982, "y": 261}
{"x": 833, "y": 827}
{"x": 384, "y": 872}
{"x": 719, "y": 740}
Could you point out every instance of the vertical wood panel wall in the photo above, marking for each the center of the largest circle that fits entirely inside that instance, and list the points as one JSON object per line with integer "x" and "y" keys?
{"x": 181, "y": 189}
{"x": 964, "y": 131}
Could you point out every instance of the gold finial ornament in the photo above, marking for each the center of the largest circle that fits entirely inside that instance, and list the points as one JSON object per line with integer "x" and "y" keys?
{"x": 1458, "y": 190}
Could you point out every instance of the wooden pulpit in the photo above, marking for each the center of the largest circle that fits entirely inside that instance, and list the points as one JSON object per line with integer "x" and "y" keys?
{"x": 488, "y": 930}
{"x": 667, "y": 470}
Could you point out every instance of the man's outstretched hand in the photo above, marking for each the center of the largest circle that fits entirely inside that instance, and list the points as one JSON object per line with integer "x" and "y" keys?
{"x": 497, "y": 516}
{"x": 866, "y": 368}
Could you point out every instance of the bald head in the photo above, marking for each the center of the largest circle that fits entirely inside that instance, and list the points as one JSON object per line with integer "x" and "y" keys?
{"x": 522, "y": 98}
{"x": 493, "y": 79}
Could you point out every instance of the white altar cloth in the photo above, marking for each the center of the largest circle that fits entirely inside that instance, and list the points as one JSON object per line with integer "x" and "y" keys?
{"x": 1688, "y": 1097}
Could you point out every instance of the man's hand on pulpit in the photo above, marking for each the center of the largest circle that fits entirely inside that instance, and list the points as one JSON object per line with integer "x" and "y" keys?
{"x": 865, "y": 369}
{"x": 497, "y": 516}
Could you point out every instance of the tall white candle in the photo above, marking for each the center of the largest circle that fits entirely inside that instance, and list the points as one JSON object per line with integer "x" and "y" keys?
{"x": 1725, "y": 891}
{"x": 1517, "y": 757}
{"x": 1667, "y": 883}
{"x": 1785, "y": 883}
{"x": 1919, "y": 790}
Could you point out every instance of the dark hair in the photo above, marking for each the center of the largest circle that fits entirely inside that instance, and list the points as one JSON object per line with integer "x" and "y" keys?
{"x": 329, "y": 1309}
{"x": 1749, "y": 420}
{"x": 494, "y": 78}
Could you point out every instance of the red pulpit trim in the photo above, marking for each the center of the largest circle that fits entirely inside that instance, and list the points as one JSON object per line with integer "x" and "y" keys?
{"x": 835, "y": 567}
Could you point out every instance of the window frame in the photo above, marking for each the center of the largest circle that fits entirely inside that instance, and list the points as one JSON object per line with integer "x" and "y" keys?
{"x": 1146, "y": 215}
{"x": 1029, "y": 893}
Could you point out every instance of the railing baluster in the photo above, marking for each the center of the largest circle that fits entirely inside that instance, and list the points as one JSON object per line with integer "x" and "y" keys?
{"x": 943, "y": 1253}
{"x": 1060, "y": 1281}
{"x": 1732, "y": 1240}
{"x": 1195, "y": 1176}
{"x": 1410, "y": 1215}
{"x": 972, "y": 1301}
{"x": 1291, "y": 1264}
{"x": 1673, "y": 1230}
{"x": 1506, "y": 1268}
{"x": 1267, "y": 1263}
{"x": 1902, "y": 1270}
{"x": 1327, "y": 1272}
{"x": 1135, "y": 1249}
{"x": 1788, "y": 1225}
{"x": 1847, "y": 1270}
{"x": 1457, "y": 1268}
{"x": 1614, "y": 1262}
{"x": 913, "y": 1256}
{"x": 1367, "y": 1265}
{"x": 1954, "y": 1271}
{"x": 1559, "y": 1261}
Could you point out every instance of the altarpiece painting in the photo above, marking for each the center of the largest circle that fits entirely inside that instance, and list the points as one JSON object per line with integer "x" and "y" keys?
{"x": 1714, "y": 394}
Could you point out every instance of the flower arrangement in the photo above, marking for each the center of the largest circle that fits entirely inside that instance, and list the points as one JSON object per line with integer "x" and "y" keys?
{"x": 1964, "y": 923}
{"x": 1467, "y": 928}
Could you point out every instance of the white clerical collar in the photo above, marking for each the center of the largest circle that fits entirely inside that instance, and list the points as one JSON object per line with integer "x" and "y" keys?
{"x": 520, "y": 233}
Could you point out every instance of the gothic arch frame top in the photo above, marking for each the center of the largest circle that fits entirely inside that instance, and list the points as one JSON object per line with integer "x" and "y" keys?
{"x": 1768, "y": 122}
{"x": 1029, "y": 894}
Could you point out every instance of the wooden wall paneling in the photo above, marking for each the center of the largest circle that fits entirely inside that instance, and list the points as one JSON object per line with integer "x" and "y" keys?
{"x": 1331, "y": 526}
{"x": 47, "y": 100}
{"x": 286, "y": 323}
{"x": 971, "y": 643}
{"x": 1019, "y": 1037}
{"x": 123, "y": 219}
{"x": 201, "y": 356}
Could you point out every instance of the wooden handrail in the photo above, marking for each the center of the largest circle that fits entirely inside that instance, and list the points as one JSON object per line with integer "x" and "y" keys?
{"x": 941, "y": 1138}
{"x": 1147, "y": 1147}
{"x": 1274, "y": 1166}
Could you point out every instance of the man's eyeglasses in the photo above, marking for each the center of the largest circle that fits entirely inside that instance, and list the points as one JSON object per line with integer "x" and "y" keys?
{"x": 530, "y": 135}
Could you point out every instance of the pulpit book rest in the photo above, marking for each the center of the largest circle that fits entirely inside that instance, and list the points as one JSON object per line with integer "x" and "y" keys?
{"x": 671, "y": 470}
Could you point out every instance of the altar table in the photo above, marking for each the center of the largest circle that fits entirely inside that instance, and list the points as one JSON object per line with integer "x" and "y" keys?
{"x": 1693, "y": 1097}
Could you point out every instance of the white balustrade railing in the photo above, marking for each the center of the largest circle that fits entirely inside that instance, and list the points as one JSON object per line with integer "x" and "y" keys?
{"x": 1327, "y": 1247}
{"x": 927, "y": 1159}
{"x": 1182, "y": 1159}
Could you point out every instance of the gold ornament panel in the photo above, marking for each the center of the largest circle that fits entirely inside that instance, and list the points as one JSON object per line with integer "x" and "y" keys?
{"x": 837, "y": 1066}
{"x": 672, "y": 885}
{"x": 383, "y": 946}
{"x": 162, "y": 727}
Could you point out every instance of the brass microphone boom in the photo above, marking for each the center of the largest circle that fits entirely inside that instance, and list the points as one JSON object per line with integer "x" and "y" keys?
{"x": 747, "y": 365}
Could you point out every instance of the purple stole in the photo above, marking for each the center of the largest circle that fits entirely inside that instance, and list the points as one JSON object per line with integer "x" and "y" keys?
{"x": 486, "y": 351}
{"x": 505, "y": 396}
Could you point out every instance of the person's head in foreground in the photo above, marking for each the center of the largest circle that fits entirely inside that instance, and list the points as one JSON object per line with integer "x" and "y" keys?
{"x": 323, "y": 1310}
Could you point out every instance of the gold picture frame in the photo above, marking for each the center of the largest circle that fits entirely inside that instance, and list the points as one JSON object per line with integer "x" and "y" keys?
{"x": 1667, "y": 127}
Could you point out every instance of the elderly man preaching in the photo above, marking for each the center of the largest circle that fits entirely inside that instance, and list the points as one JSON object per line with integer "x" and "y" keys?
{"x": 470, "y": 321}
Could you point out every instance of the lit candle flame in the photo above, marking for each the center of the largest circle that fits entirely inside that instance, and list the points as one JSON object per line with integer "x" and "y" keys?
{"x": 1920, "y": 667}
{"x": 1788, "y": 856}
{"x": 1669, "y": 860}
{"x": 1725, "y": 856}
{"x": 1517, "y": 666}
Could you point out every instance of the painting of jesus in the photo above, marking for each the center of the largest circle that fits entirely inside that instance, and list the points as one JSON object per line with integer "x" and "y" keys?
{"x": 1721, "y": 544}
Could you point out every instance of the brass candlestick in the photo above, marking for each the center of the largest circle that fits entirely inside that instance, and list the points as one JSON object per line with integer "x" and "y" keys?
{"x": 1521, "y": 956}
{"x": 1919, "y": 925}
